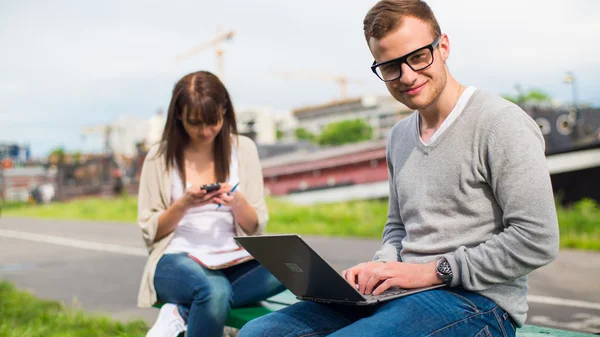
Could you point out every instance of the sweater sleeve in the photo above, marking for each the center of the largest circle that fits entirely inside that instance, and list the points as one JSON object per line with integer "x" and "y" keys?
{"x": 253, "y": 184}
{"x": 150, "y": 205}
{"x": 516, "y": 170}
{"x": 393, "y": 231}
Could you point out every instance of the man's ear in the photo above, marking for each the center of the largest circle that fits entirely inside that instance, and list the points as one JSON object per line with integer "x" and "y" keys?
{"x": 444, "y": 47}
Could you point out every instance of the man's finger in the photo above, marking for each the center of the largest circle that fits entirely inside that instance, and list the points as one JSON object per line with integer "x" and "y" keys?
{"x": 376, "y": 278}
{"x": 385, "y": 285}
{"x": 363, "y": 277}
{"x": 350, "y": 277}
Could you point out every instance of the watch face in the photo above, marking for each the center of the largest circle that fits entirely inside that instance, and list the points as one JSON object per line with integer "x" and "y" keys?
{"x": 444, "y": 270}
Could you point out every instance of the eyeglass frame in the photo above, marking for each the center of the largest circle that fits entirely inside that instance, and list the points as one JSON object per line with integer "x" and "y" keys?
{"x": 404, "y": 59}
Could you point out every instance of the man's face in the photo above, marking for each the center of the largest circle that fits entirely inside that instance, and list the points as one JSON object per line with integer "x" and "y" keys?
{"x": 415, "y": 89}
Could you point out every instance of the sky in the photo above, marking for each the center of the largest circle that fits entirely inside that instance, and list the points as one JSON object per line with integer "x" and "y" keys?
{"x": 65, "y": 65}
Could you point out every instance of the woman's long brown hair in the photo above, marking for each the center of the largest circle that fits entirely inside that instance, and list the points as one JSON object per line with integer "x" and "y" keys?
{"x": 199, "y": 97}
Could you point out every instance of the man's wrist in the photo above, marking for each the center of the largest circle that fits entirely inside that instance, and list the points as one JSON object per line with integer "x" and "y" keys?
{"x": 431, "y": 275}
{"x": 444, "y": 271}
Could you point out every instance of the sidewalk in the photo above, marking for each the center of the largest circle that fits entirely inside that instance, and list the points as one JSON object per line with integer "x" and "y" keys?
{"x": 105, "y": 262}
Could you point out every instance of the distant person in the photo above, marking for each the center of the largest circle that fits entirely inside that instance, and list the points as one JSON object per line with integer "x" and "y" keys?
{"x": 117, "y": 181}
{"x": 470, "y": 204}
{"x": 199, "y": 146}
{"x": 36, "y": 195}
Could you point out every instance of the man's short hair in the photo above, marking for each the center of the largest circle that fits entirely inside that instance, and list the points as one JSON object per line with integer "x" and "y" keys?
{"x": 387, "y": 15}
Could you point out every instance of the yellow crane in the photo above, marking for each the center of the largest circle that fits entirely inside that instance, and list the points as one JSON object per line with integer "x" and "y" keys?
{"x": 103, "y": 129}
{"x": 341, "y": 80}
{"x": 216, "y": 42}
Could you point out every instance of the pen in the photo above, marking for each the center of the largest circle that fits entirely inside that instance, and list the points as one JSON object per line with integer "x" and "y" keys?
{"x": 232, "y": 190}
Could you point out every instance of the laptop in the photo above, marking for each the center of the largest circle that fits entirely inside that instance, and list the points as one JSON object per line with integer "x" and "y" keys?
{"x": 308, "y": 276}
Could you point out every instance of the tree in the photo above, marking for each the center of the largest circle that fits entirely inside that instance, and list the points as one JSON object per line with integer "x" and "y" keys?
{"x": 303, "y": 134}
{"x": 347, "y": 131}
{"x": 279, "y": 134}
{"x": 57, "y": 155}
{"x": 530, "y": 97}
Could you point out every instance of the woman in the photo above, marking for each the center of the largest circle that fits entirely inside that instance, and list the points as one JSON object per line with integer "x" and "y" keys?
{"x": 200, "y": 146}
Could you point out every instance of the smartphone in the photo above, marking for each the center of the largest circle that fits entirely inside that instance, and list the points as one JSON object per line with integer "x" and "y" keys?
{"x": 210, "y": 187}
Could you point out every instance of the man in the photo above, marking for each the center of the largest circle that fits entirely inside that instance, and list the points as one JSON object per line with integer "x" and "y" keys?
{"x": 471, "y": 202}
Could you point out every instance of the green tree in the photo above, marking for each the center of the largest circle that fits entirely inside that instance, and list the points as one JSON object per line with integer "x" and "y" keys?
{"x": 279, "y": 134}
{"x": 77, "y": 157}
{"x": 303, "y": 134}
{"x": 348, "y": 131}
{"x": 529, "y": 97}
{"x": 58, "y": 154}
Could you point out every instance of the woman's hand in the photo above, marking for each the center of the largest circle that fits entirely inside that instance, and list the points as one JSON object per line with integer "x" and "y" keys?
{"x": 194, "y": 196}
{"x": 226, "y": 198}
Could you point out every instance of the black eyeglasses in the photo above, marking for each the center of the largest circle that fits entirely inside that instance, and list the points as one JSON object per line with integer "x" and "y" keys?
{"x": 417, "y": 60}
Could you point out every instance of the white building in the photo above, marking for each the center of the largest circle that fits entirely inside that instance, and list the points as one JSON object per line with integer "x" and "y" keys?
{"x": 262, "y": 123}
{"x": 122, "y": 135}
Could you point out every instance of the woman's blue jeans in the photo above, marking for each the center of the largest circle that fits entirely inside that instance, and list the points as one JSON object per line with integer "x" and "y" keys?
{"x": 204, "y": 297}
{"x": 447, "y": 312}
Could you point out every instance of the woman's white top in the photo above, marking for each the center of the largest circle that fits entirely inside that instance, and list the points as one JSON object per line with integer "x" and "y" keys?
{"x": 204, "y": 229}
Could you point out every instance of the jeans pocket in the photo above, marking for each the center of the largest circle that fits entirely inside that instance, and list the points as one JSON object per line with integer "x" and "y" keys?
{"x": 485, "y": 332}
{"x": 464, "y": 301}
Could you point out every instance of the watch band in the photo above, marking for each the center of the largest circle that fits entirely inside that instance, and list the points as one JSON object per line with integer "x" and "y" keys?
{"x": 444, "y": 271}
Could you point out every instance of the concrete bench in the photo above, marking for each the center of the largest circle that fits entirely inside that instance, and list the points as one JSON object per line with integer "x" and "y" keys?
{"x": 240, "y": 316}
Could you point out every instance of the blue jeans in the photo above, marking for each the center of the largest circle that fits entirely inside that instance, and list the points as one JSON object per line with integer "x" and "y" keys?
{"x": 439, "y": 312}
{"x": 204, "y": 297}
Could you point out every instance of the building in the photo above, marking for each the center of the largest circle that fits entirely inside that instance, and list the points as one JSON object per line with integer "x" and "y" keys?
{"x": 359, "y": 171}
{"x": 123, "y": 135}
{"x": 16, "y": 184}
{"x": 15, "y": 152}
{"x": 353, "y": 171}
{"x": 263, "y": 124}
{"x": 382, "y": 112}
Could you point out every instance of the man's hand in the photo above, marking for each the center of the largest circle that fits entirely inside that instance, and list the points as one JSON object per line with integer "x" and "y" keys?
{"x": 377, "y": 277}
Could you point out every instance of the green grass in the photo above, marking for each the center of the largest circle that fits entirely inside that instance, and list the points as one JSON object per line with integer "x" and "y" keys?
{"x": 357, "y": 218}
{"x": 579, "y": 225}
{"x": 23, "y": 315}
{"x": 123, "y": 209}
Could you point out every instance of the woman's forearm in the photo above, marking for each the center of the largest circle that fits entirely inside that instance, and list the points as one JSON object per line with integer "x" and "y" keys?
{"x": 246, "y": 216}
{"x": 169, "y": 219}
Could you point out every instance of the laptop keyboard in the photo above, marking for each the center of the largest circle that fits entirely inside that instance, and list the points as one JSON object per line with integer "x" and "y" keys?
{"x": 389, "y": 292}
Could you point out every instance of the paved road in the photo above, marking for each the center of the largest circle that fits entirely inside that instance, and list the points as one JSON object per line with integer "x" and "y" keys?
{"x": 98, "y": 266}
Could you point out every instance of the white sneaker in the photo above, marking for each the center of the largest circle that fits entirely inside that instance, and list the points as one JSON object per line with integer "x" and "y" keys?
{"x": 168, "y": 323}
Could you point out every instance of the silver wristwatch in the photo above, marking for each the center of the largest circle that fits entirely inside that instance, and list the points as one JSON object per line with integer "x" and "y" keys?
{"x": 444, "y": 271}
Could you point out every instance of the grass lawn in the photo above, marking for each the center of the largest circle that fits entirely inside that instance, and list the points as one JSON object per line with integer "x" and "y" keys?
{"x": 579, "y": 225}
{"x": 23, "y": 315}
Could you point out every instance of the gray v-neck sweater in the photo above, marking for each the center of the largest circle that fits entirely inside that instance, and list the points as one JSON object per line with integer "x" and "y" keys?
{"x": 480, "y": 195}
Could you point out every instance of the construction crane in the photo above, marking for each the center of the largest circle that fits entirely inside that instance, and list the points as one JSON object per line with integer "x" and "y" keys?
{"x": 221, "y": 37}
{"x": 341, "y": 80}
{"x": 104, "y": 129}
